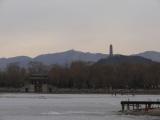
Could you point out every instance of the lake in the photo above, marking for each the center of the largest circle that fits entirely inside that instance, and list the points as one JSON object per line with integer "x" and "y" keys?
{"x": 67, "y": 107}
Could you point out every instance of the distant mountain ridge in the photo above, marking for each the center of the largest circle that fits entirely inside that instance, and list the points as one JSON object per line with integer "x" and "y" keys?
{"x": 152, "y": 55}
{"x": 67, "y": 57}
{"x": 61, "y": 58}
{"x": 21, "y": 60}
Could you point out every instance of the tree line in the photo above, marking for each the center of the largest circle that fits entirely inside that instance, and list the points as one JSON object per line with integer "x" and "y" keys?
{"x": 82, "y": 75}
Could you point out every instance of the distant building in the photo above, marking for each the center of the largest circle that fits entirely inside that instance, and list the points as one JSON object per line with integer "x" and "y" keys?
{"x": 111, "y": 50}
{"x": 38, "y": 84}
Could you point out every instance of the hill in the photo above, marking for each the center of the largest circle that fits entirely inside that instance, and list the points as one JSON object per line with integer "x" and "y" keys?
{"x": 117, "y": 59}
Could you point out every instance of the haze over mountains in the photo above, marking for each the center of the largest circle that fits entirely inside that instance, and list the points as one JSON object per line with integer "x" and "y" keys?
{"x": 67, "y": 57}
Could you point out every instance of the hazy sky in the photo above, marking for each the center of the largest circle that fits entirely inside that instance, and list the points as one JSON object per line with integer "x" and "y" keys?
{"x": 32, "y": 27}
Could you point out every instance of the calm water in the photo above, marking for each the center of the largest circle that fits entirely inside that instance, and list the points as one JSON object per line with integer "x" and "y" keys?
{"x": 67, "y": 107}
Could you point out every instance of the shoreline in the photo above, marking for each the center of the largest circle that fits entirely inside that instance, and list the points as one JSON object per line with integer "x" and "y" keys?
{"x": 88, "y": 91}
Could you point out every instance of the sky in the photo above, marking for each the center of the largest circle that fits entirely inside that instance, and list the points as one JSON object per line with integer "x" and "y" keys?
{"x": 33, "y": 27}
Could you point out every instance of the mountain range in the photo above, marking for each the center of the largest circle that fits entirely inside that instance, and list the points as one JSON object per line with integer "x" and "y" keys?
{"x": 67, "y": 57}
